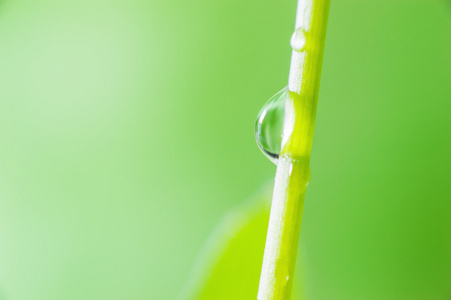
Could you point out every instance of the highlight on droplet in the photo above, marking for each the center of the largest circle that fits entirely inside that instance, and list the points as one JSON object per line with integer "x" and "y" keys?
{"x": 298, "y": 40}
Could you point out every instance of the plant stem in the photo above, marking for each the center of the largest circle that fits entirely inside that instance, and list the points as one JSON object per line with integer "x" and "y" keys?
{"x": 293, "y": 171}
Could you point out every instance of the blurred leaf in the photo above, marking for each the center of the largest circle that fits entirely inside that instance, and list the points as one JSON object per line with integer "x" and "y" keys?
{"x": 229, "y": 266}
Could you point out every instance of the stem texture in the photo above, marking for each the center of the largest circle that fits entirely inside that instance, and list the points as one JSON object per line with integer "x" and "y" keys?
{"x": 293, "y": 171}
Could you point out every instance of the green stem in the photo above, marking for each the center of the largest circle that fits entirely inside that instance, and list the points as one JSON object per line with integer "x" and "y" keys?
{"x": 293, "y": 171}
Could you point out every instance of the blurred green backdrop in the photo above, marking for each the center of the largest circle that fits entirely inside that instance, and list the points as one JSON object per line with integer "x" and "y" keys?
{"x": 126, "y": 132}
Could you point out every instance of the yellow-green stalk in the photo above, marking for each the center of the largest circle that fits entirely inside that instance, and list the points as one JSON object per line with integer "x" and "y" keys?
{"x": 293, "y": 170}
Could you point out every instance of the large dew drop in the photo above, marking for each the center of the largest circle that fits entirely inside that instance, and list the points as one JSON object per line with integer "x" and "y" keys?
{"x": 269, "y": 125}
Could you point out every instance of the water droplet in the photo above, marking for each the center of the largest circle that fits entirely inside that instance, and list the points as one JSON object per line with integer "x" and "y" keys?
{"x": 298, "y": 40}
{"x": 269, "y": 125}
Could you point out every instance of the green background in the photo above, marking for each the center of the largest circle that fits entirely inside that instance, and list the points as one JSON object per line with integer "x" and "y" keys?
{"x": 126, "y": 132}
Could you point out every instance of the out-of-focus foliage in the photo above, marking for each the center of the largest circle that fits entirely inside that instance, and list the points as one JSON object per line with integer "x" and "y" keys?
{"x": 230, "y": 264}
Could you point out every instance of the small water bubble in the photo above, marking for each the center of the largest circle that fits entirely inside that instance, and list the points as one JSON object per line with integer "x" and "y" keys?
{"x": 298, "y": 40}
{"x": 269, "y": 125}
